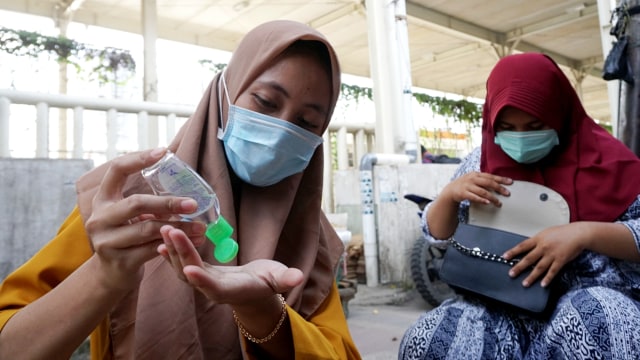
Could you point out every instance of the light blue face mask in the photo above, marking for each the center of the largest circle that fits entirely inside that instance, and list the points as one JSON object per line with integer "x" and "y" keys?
{"x": 527, "y": 147}
{"x": 261, "y": 149}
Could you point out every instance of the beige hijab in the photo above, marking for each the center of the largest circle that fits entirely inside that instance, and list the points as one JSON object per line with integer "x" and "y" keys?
{"x": 166, "y": 318}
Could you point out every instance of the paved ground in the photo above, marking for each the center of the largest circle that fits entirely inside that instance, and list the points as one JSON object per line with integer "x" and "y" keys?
{"x": 379, "y": 316}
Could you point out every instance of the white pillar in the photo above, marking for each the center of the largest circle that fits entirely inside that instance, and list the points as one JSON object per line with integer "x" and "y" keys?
{"x": 408, "y": 138}
{"x": 143, "y": 130}
{"x": 42, "y": 130}
{"x": 391, "y": 74}
{"x": 150, "y": 35}
{"x": 78, "y": 129}
{"x": 342, "y": 150}
{"x": 360, "y": 146}
{"x": 327, "y": 180}
{"x": 171, "y": 128}
{"x": 112, "y": 134}
{"x": 382, "y": 73}
{"x": 5, "y": 115}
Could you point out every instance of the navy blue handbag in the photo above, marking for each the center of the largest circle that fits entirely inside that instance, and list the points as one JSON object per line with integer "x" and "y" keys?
{"x": 473, "y": 263}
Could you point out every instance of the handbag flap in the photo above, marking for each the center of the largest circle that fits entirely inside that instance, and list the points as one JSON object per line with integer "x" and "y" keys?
{"x": 528, "y": 210}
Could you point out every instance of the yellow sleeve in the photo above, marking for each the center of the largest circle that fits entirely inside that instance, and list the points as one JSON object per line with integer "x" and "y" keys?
{"x": 48, "y": 268}
{"x": 325, "y": 335}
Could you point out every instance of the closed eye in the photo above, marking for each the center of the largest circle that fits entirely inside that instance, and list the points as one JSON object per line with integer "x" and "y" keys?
{"x": 264, "y": 103}
{"x": 537, "y": 125}
{"x": 303, "y": 123}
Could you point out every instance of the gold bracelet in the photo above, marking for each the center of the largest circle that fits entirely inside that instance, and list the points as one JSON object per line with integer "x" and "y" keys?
{"x": 253, "y": 339}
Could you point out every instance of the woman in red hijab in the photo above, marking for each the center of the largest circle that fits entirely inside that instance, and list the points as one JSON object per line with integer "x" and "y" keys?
{"x": 535, "y": 129}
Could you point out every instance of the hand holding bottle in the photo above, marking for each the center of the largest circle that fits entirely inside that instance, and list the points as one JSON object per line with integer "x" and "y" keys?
{"x": 125, "y": 232}
{"x": 172, "y": 176}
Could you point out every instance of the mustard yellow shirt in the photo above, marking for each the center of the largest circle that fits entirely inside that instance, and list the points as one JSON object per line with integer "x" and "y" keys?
{"x": 325, "y": 335}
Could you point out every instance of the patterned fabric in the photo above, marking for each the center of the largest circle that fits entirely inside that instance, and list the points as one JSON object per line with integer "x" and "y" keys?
{"x": 598, "y": 317}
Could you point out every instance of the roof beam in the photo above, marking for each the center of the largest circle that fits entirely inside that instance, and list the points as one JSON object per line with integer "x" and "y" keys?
{"x": 459, "y": 26}
{"x": 334, "y": 15}
{"x": 479, "y": 33}
{"x": 552, "y": 23}
{"x": 71, "y": 6}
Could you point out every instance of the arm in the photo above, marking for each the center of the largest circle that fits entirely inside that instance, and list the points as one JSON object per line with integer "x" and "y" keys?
{"x": 69, "y": 289}
{"x": 620, "y": 243}
{"x": 324, "y": 336}
{"x": 551, "y": 249}
{"x": 36, "y": 282}
{"x": 467, "y": 184}
{"x": 251, "y": 290}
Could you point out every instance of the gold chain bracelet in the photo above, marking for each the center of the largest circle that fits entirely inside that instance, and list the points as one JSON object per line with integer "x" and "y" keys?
{"x": 253, "y": 339}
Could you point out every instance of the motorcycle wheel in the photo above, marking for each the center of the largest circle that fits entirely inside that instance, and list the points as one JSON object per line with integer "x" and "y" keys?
{"x": 425, "y": 266}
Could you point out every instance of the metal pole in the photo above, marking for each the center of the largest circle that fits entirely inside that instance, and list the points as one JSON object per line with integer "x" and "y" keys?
{"x": 604, "y": 17}
{"x": 629, "y": 125}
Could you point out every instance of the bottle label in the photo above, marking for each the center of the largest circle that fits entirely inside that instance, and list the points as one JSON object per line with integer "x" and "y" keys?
{"x": 175, "y": 177}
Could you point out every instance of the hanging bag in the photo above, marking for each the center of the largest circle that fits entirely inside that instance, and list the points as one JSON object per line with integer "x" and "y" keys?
{"x": 616, "y": 65}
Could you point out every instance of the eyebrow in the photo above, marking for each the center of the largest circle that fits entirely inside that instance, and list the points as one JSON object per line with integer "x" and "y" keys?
{"x": 277, "y": 87}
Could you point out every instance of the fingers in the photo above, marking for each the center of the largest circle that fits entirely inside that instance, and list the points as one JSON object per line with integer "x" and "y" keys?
{"x": 139, "y": 206}
{"x": 554, "y": 270}
{"x": 122, "y": 167}
{"x": 288, "y": 279}
{"x": 139, "y": 232}
{"x": 179, "y": 250}
{"x": 244, "y": 284}
{"x": 536, "y": 261}
{"x": 481, "y": 188}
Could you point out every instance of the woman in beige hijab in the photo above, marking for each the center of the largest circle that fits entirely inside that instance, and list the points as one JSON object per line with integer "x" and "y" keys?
{"x": 256, "y": 139}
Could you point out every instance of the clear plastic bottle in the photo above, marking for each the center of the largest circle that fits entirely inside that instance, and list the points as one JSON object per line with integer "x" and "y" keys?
{"x": 172, "y": 176}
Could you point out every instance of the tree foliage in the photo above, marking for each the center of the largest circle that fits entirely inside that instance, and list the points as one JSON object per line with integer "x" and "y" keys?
{"x": 462, "y": 111}
{"x": 103, "y": 64}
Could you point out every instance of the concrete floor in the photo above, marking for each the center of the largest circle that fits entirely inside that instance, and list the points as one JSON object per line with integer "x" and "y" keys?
{"x": 379, "y": 316}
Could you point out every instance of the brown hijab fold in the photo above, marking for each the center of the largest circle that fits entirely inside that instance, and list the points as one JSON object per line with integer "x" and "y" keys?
{"x": 283, "y": 222}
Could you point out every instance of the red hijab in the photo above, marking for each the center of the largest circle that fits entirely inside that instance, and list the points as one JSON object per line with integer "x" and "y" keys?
{"x": 592, "y": 170}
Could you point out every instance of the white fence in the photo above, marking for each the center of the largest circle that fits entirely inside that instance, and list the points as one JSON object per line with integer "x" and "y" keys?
{"x": 345, "y": 144}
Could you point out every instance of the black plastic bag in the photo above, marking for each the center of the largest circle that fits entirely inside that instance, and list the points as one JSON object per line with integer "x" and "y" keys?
{"x": 616, "y": 65}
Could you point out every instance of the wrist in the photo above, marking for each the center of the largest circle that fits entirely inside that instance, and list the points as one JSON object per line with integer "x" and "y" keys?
{"x": 259, "y": 326}
{"x": 111, "y": 281}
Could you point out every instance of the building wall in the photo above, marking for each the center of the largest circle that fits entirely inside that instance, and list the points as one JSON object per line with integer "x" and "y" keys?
{"x": 35, "y": 197}
{"x": 397, "y": 222}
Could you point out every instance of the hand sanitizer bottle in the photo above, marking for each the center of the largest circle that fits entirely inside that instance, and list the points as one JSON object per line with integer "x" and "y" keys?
{"x": 172, "y": 176}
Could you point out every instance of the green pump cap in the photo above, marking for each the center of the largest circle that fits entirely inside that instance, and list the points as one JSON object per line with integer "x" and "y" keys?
{"x": 219, "y": 233}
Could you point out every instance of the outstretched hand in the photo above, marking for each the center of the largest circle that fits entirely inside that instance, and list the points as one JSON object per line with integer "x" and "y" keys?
{"x": 246, "y": 284}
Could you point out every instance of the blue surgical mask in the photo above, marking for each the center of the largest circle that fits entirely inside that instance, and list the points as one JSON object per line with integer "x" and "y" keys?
{"x": 261, "y": 149}
{"x": 527, "y": 147}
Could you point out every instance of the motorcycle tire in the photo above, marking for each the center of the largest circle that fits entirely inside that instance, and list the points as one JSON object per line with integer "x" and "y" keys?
{"x": 425, "y": 266}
